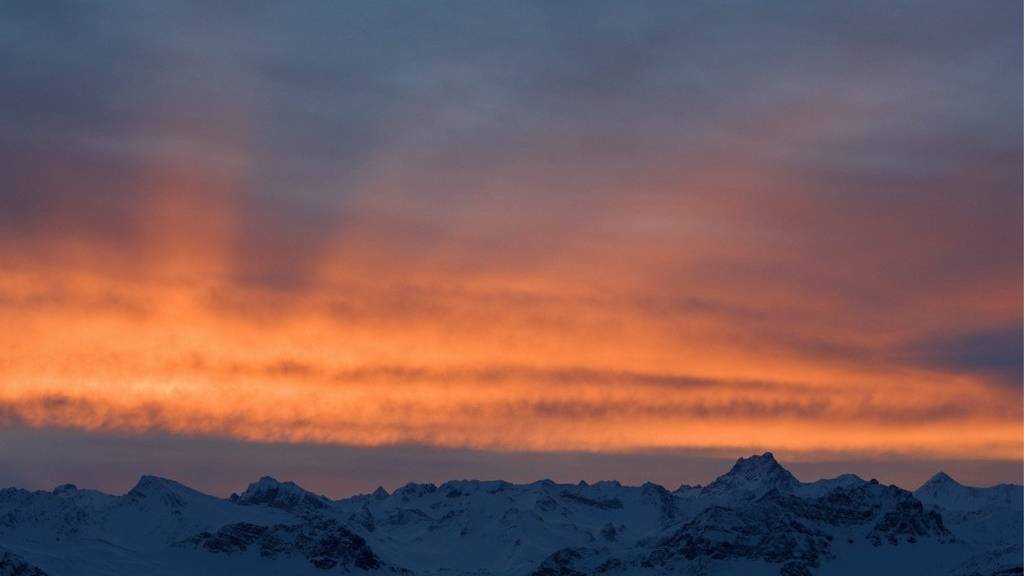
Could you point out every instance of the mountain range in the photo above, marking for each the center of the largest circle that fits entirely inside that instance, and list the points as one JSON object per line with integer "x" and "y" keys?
{"x": 755, "y": 519}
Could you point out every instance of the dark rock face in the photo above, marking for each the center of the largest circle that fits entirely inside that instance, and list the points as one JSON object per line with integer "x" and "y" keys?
{"x": 63, "y": 510}
{"x": 13, "y": 565}
{"x": 579, "y": 562}
{"x": 908, "y": 520}
{"x": 798, "y": 533}
{"x": 282, "y": 495}
{"x": 326, "y": 544}
{"x": 414, "y": 490}
{"x": 231, "y": 538}
{"x": 750, "y": 478}
{"x": 767, "y": 532}
{"x": 667, "y": 504}
{"x": 364, "y": 519}
{"x": 561, "y": 563}
{"x": 604, "y": 504}
{"x": 406, "y": 516}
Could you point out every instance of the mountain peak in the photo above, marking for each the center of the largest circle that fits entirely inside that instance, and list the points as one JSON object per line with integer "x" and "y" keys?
{"x": 266, "y": 483}
{"x": 284, "y": 495}
{"x": 168, "y": 492}
{"x": 761, "y": 466}
{"x": 65, "y": 490}
{"x": 753, "y": 476}
{"x": 942, "y": 491}
{"x": 766, "y": 459}
{"x": 149, "y": 485}
{"x": 941, "y": 479}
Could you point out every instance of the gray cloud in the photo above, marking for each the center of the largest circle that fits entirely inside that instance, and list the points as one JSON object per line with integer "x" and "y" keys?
{"x": 997, "y": 353}
{"x": 594, "y": 92}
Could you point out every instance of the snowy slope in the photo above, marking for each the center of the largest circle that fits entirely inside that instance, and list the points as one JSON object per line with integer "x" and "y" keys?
{"x": 944, "y": 492}
{"x": 987, "y": 519}
{"x": 755, "y": 519}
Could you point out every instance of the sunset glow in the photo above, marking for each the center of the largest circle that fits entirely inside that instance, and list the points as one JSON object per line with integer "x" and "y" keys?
{"x": 497, "y": 250}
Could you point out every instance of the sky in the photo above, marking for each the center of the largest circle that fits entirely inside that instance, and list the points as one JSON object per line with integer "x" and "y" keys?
{"x": 362, "y": 243}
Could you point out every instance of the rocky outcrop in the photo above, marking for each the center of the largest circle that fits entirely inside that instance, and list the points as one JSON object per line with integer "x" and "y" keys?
{"x": 326, "y": 544}
{"x": 798, "y": 533}
{"x": 282, "y": 495}
{"x": 14, "y": 565}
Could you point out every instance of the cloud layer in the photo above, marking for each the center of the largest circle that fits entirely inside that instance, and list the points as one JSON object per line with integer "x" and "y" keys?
{"x": 583, "y": 226}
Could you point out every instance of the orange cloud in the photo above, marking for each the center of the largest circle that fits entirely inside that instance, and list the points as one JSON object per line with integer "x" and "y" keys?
{"x": 463, "y": 361}
{"x": 764, "y": 283}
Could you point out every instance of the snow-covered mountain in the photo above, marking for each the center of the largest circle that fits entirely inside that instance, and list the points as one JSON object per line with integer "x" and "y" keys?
{"x": 755, "y": 519}
{"x": 751, "y": 478}
{"x": 943, "y": 492}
